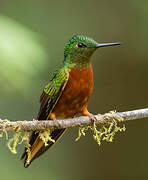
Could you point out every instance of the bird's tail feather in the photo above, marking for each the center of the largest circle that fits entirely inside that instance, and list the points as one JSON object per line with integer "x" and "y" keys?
{"x": 38, "y": 147}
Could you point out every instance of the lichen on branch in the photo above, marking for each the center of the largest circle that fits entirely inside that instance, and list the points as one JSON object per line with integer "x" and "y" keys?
{"x": 104, "y": 129}
{"x": 105, "y": 132}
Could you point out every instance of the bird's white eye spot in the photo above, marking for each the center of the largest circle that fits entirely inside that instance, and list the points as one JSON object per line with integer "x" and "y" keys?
{"x": 80, "y": 45}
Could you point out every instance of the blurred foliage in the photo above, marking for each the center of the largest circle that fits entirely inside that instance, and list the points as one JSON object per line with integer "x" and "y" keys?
{"x": 22, "y": 55}
{"x": 32, "y": 37}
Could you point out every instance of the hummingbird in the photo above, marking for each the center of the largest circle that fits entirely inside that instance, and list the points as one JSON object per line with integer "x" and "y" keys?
{"x": 68, "y": 91}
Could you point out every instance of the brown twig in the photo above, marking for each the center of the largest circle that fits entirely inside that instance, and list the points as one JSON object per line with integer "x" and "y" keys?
{"x": 81, "y": 121}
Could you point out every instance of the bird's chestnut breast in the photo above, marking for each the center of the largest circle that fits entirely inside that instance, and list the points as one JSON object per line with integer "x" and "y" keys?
{"x": 76, "y": 93}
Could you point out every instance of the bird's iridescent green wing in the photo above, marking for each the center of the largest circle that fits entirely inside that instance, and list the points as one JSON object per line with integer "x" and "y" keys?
{"x": 52, "y": 92}
{"x": 48, "y": 100}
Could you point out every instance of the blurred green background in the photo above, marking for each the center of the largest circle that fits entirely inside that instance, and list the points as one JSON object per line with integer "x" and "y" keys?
{"x": 32, "y": 38}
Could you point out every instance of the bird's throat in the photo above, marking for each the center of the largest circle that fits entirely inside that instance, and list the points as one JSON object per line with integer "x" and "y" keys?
{"x": 81, "y": 63}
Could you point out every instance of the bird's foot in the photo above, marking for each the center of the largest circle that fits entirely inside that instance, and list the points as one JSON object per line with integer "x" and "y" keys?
{"x": 93, "y": 119}
{"x": 56, "y": 122}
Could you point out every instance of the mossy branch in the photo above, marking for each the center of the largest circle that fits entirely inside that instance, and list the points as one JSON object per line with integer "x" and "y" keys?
{"x": 23, "y": 126}
{"x": 104, "y": 128}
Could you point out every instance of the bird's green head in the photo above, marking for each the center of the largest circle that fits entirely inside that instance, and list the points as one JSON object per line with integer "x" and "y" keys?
{"x": 79, "y": 49}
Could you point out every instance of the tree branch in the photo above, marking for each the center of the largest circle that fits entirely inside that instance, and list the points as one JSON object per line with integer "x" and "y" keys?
{"x": 81, "y": 121}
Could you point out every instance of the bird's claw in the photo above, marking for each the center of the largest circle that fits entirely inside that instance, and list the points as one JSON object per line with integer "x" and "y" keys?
{"x": 56, "y": 122}
{"x": 93, "y": 119}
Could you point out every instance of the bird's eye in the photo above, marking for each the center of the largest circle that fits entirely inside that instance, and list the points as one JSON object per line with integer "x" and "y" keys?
{"x": 81, "y": 45}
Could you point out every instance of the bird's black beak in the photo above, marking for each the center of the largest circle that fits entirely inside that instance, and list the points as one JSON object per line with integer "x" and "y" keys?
{"x": 107, "y": 44}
